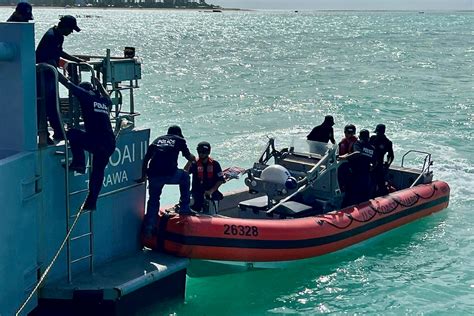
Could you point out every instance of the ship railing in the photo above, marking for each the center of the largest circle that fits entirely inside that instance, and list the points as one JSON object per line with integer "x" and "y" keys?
{"x": 118, "y": 75}
{"x": 425, "y": 171}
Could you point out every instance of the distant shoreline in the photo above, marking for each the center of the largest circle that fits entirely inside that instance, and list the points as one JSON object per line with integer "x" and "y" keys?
{"x": 36, "y": 7}
{"x": 39, "y": 7}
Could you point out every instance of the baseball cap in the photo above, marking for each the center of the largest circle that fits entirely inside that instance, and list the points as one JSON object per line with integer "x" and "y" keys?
{"x": 86, "y": 86}
{"x": 380, "y": 128}
{"x": 350, "y": 128}
{"x": 329, "y": 119}
{"x": 175, "y": 130}
{"x": 364, "y": 134}
{"x": 204, "y": 147}
{"x": 69, "y": 21}
{"x": 25, "y": 9}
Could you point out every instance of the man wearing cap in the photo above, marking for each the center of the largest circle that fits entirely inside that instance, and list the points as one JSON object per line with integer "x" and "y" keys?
{"x": 382, "y": 146}
{"x": 207, "y": 177}
{"x": 346, "y": 145}
{"x": 360, "y": 163}
{"x": 160, "y": 166}
{"x": 98, "y": 137}
{"x": 323, "y": 133}
{"x": 23, "y": 13}
{"x": 50, "y": 50}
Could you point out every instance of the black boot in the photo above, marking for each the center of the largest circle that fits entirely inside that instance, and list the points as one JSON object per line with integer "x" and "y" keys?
{"x": 89, "y": 204}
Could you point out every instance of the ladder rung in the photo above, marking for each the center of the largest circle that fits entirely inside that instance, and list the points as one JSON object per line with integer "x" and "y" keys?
{"x": 81, "y": 258}
{"x": 82, "y": 212}
{"x": 81, "y": 236}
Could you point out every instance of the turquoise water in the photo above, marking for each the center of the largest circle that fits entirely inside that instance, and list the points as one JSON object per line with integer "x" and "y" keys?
{"x": 237, "y": 77}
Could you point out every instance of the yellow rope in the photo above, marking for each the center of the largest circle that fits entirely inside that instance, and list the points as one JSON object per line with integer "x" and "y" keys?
{"x": 45, "y": 273}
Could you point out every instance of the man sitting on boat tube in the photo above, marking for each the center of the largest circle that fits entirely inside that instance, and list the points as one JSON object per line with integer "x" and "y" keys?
{"x": 160, "y": 166}
{"x": 207, "y": 178}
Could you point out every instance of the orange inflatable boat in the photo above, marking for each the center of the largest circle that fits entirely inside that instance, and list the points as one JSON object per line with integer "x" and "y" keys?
{"x": 271, "y": 222}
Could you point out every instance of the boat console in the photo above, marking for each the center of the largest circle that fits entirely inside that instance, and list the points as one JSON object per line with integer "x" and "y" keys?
{"x": 315, "y": 191}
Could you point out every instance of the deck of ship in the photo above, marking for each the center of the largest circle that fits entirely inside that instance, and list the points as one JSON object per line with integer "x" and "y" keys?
{"x": 117, "y": 287}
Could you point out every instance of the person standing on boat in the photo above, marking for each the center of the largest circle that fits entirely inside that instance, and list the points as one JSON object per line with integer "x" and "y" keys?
{"x": 323, "y": 133}
{"x": 160, "y": 166}
{"x": 346, "y": 146}
{"x": 50, "y": 50}
{"x": 360, "y": 163}
{"x": 207, "y": 177}
{"x": 382, "y": 146}
{"x": 98, "y": 137}
{"x": 23, "y": 13}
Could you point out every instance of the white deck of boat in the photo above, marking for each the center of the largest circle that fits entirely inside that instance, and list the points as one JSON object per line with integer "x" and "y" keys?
{"x": 118, "y": 278}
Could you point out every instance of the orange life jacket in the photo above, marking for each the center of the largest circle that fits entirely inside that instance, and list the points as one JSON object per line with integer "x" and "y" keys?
{"x": 209, "y": 171}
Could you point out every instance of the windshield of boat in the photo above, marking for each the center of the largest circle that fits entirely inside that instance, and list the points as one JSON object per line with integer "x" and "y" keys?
{"x": 306, "y": 146}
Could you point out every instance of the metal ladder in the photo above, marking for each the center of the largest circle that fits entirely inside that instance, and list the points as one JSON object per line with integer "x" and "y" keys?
{"x": 88, "y": 234}
{"x": 70, "y": 219}
{"x": 74, "y": 71}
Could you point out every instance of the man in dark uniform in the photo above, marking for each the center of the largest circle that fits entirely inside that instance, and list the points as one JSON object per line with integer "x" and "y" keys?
{"x": 382, "y": 146}
{"x": 50, "y": 50}
{"x": 207, "y": 177}
{"x": 98, "y": 137}
{"x": 23, "y": 13}
{"x": 360, "y": 163}
{"x": 323, "y": 133}
{"x": 160, "y": 165}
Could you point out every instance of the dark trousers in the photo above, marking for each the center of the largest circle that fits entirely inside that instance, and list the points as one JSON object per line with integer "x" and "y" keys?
{"x": 101, "y": 151}
{"x": 155, "y": 187}
{"x": 358, "y": 189}
{"x": 343, "y": 176}
{"x": 50, "y": 98}
{"x": 198, "y": 198}
{"x": 380, "y": 176}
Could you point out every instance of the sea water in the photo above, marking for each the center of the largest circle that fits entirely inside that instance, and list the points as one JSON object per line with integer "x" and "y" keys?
{"x": 236, "y": 78}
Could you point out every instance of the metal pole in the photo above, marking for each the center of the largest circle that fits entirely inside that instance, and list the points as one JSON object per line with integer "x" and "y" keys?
{"x": 48, "y": 67}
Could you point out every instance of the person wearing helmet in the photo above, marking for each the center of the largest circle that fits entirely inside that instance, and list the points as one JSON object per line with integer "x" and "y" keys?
{"x": 323, "y": 133}
{"x": 50, "y": 50}
{"x": 383, "y": 146}
{"x": 160, "y": 166}
{"x": 207, "y": 178}
{"x": 23, "y": 13}
{"x": 97, "y": 137}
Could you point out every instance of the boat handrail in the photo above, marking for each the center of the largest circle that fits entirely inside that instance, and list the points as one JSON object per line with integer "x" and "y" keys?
{"x": 315, "y": 171}
{"x": 422, "y": 173}
{"x": 427, "y": 160}
{"x": 43, "y": 136}
{"x": 269, "y": 151}
{"x": 310, "y": 178}
{"x": 47, "y": 67}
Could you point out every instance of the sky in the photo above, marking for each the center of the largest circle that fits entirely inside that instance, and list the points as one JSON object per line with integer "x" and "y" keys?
{"x": 348, "y": 4}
